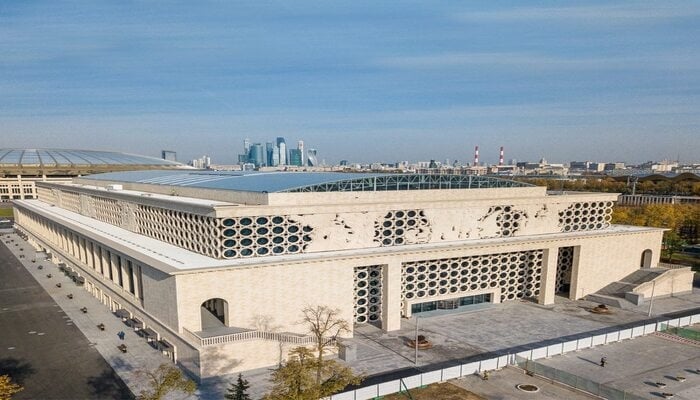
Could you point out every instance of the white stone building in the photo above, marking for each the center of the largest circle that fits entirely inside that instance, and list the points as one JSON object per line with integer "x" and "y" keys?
{"x": 218, "y": 265}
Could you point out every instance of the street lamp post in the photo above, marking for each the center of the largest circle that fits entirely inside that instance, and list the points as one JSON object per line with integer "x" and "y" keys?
{"x": 651, "y": 301}
{"x": 416, "y": 343}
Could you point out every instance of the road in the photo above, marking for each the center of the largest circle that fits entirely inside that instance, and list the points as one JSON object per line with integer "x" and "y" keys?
{"x": 41, "y": 348}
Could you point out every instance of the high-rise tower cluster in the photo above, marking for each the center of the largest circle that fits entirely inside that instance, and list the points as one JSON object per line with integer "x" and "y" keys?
{"x": 277, "y": 153}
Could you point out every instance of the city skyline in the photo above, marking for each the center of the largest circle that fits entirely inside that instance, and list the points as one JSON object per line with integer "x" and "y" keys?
{"x": 612, "y": 81}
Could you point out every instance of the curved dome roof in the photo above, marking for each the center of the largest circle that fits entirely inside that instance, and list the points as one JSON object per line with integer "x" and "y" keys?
{"x": 65, "y": 161}
{"x": 278, "y": 182}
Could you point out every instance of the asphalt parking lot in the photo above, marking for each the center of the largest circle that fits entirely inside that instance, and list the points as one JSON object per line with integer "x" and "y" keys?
{"x": 41, "y": 348}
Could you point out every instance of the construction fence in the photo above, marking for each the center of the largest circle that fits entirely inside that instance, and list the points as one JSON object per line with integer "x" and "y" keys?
{"x": 523, "y": 358}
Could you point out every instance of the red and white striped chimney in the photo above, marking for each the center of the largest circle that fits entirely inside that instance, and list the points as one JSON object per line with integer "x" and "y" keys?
{"x": 500, "y": 158}
{"x": 476, "y": 156}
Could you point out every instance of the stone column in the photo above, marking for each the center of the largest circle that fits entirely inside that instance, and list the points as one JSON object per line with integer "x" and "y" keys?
{"x": 125, "y": 275}
{"x": 391, "y": 296}
{"x": 105, "y": 263}
{"x": 576, "y": 291}
{"x": 81, "y": 250}
{"x": 548, "y": 280}
{"x": 113, "y": 265}
{"x": 136, "y": 269}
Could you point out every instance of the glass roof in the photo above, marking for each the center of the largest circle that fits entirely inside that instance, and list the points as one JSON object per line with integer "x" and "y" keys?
{"x": 60, "y": 158}
{"x": 271, "y": 182}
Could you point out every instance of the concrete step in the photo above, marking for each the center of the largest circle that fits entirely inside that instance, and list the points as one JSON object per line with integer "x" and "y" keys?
{"x": 608, "y": 300}
{"x": 616, "y": 289}
{"x": 643, "y": 275}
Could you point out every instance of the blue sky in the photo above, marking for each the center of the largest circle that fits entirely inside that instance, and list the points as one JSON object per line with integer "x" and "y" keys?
{"x": 361, "y": 81}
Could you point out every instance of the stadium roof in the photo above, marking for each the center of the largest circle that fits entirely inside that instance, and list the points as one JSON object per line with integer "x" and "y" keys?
{"x": 277, "y": 182}
{"x": 74, "y": 162}
{"x": 70, "y": 158}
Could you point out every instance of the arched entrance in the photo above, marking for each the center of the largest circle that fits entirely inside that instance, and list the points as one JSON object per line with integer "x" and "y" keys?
{"x": 214, "y": 313}
{"x": 646, "y": 259}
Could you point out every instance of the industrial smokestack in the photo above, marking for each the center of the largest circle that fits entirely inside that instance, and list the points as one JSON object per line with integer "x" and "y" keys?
{"x": 500, "y": 158}
{"x": 476, "y": 156}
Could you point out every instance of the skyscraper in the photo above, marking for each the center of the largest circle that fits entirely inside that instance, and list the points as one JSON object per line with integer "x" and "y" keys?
{"x": 311, "y": 160}
{"x": 275, "y": 156}
{"x": 256, "y": 155}
{"x": 168, "y": 155}
{"x": 295, "y": 157}
{"x": 246, "y": 145}
{"x": 269, "y": 150}
{"x": 300, "y": 146}
{"x": 282, "y": 150}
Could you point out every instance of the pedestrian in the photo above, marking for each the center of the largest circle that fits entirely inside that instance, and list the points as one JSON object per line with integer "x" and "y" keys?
{"x": 121, "y": 335}
{"x": 603, "y": 361}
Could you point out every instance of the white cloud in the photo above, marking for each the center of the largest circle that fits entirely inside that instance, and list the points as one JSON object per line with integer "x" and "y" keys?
{"x": 533, "y": 62}
{"x": 639, "y": 12}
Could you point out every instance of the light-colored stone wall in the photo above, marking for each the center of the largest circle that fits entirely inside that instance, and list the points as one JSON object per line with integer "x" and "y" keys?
{"x": 160, "y": 296}
{"x": 277, "y": 292}
{"x": 236, "y": 357}
{"x": 376, "y": 219}
{"x": 603, "y": 260}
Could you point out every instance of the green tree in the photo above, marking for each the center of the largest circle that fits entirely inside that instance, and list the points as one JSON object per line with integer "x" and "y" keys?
{"x": 324, "y": 324}
{"x": 238, "y": 390}
{"x": 673, "y": 244}
{"x": 165, "y": 379}
{"x": 296, "y": 379}
{"x": 8, "y": 388}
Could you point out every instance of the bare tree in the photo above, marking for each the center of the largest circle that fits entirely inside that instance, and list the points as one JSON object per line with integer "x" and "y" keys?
{"x": 325, "y": 324}
{"x": 295, "y": 379}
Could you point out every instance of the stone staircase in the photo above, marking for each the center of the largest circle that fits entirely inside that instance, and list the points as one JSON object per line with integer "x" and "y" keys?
{"x": 614, "y": 293}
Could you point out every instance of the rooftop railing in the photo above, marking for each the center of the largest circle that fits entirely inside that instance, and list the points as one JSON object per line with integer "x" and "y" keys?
{"x": 252, "y": 335}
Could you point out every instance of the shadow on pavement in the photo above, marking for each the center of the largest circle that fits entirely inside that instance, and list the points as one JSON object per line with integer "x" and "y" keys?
{"x": 18, "y": 370}
{"x": 108, "y": 386}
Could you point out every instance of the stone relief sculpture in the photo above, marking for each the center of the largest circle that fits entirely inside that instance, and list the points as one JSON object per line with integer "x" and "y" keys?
{"x": 400, "y": 227}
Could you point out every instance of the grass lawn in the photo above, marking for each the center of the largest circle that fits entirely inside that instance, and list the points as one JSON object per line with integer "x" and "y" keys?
{"x": 442, "y": 391}
{"x": 5, "y": 212}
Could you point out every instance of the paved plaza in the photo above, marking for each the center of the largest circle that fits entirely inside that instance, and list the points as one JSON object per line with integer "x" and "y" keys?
{"x": 636, "y": 365}
{"x": 502, "y": 385}
{"x": 495, "y": 328}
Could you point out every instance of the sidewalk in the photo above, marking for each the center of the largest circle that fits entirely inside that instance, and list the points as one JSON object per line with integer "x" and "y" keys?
{"x": 129, "y": 366}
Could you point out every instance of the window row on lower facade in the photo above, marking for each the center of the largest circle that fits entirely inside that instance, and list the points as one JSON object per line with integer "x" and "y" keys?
{"x": 112, "y": 266}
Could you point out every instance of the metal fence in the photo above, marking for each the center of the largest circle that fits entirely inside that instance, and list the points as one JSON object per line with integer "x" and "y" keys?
{"x": 575, "y": 381}
{"x": 440, "y": 375}
{"x": 685, "y": 333}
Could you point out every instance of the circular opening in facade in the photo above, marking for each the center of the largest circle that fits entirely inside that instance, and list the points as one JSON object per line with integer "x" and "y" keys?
{"x": 261, "y": 220}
